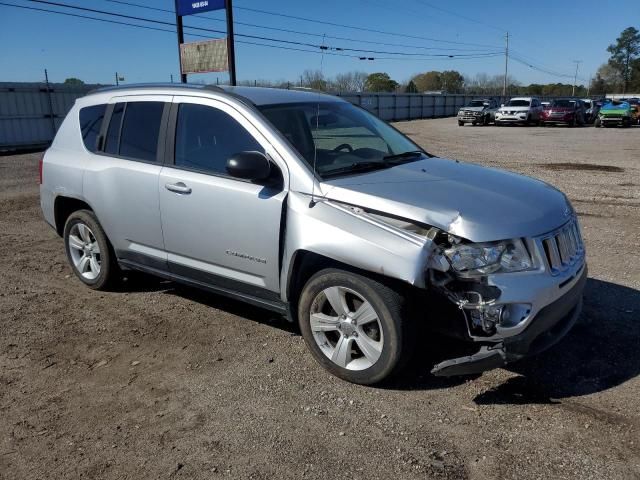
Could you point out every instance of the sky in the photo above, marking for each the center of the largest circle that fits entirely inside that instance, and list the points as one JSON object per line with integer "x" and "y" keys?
{"x": 544, "y": 41}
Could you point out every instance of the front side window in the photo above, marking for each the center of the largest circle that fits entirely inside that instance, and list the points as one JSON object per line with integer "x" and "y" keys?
{"x": 207, "y": 137}
{"x": 339, "y": 138}
{"x": 90, "y": 124}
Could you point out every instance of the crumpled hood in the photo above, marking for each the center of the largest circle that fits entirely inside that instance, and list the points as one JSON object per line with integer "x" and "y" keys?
{"x": 478, "y": 203}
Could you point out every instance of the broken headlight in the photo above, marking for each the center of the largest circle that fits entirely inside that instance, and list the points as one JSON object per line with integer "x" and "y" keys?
{"x": 485, "y": 258}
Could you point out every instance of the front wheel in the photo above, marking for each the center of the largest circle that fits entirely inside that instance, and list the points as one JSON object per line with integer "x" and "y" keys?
{"x": 354, "y": 326}
{"x": 460, "y": 123}
{"x": 597, "y": 123}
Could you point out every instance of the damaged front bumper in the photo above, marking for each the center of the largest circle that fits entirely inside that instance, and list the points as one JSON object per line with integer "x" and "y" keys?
{"x": 542, "y": 330}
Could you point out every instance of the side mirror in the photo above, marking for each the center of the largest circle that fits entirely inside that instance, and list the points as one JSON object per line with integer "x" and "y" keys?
{"x": 249, "y": 165}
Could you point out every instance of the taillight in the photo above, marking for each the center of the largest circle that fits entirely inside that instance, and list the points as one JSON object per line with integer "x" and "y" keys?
{"x": 40, "y": 164}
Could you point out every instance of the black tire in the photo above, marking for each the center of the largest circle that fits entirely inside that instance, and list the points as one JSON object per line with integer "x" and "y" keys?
{"x": 571, "y": 123}
{"x": 460, "y": 124}
{"x": 391, "y": 309}
{"x": 527, "y": 122}
{"x": 597, "y": 123}
{"x": 626, "y": 123}
{"x": 486, "y": 120}
{"x": 109, "y": 270}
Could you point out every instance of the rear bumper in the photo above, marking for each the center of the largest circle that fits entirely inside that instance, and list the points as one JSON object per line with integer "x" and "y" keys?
{"x": 548, "y": 327}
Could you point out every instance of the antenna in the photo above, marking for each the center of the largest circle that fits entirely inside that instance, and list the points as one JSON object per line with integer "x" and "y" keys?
{"x": 315, "y": 147}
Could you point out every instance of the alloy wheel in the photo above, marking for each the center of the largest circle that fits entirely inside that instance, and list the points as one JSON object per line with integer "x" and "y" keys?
{"x": 346, "y": 328}
{"x": 84, "y": 251}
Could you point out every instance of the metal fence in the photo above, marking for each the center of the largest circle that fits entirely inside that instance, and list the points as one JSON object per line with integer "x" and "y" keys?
{"x": 409, "y": 106}
{"x": 30, "y": 113}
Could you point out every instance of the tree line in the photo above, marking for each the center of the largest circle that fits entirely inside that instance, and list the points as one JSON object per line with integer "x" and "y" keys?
{"x": 620, "y": 74}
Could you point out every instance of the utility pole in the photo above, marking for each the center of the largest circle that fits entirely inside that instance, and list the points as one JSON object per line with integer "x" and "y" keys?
{"x": 506, "y": 64}
{"x": 171, "y": 77}
{"x": 117, "y": 83}
{"x": 575, "y": 77}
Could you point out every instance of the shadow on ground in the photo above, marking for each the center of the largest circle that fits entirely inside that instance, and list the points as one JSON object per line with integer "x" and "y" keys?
{"x": 600, "y": 352}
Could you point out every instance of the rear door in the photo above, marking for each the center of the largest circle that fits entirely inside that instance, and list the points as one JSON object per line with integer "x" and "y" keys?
{"x": 218, "y": 229}
{"x": 121, "y": 181}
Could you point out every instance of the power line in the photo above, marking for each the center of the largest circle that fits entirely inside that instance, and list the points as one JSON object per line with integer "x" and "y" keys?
{"x": 258, "y": 37}
{"x": 549, "y": 72}
{"x": 202, "y": 36}
{"x": 297, "y": 32}
{"x": 364, "y": 29}
{"x": 469, "y": 19}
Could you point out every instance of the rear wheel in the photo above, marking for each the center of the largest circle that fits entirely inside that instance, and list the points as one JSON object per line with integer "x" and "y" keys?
{"x": 354, "y": 326}
{"x": 89, "y": 251}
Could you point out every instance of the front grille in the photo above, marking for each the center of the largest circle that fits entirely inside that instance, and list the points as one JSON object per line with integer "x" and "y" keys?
{"x": 564, "y": 247}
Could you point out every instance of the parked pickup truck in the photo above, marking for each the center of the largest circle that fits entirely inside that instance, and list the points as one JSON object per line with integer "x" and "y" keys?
{"x": 616, "y": 113}
{"x": 478, "y": 112}
{"x": 306, "y": 205}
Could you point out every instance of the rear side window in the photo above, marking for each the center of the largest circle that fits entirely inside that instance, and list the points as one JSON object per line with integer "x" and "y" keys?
{"x": 206, "y": 137}
{"x": 140, "y": 130}
{"x": 90, "y": 124}
{"x": 134, "y": 129}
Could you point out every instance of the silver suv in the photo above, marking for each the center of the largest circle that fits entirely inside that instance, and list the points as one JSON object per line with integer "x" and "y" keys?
{"x": 304, "y": 204}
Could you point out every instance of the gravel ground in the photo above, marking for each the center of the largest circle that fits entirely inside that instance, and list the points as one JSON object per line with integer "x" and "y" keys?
{"x": 161, "y": 381}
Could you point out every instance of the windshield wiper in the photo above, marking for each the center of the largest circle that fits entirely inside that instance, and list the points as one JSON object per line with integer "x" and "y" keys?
{"x": 403, "y": 156}
{"x": 359, "y": 167}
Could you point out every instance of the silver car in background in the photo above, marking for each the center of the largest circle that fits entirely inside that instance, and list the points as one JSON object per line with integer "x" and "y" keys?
{"x": 306, "y": 205}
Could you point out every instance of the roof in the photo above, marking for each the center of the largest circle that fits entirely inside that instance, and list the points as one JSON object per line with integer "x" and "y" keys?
{"x": 255, "y": 95}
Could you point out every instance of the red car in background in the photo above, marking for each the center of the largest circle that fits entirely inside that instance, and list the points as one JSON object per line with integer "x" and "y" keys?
{"x": 567, "y": 111}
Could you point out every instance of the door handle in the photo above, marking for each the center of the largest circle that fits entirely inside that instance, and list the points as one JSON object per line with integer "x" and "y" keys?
{"x": 178, "y": 188}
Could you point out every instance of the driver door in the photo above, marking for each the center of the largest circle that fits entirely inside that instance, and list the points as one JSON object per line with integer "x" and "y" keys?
{"x": 219, "y": 230}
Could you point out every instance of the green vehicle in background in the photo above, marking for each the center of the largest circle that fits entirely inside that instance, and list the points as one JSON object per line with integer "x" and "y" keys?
{"x": 616, "y": 113}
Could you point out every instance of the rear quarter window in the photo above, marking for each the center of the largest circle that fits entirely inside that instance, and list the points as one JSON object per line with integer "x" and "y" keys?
{"x": 90, "y": 124}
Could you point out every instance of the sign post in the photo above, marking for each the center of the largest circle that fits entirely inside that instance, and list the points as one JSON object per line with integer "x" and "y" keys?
{"x": 231, "y": 51}
{"x": 190, "y": 7}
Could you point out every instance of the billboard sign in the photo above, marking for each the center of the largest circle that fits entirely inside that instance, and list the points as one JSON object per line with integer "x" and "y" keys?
{"x": 202, "y": 57}
{"x": 190, "y": 7}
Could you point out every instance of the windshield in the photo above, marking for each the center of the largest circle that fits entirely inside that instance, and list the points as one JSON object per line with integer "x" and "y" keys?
{"x": 340, "y": 137}
{"x": 477, "y": 103}
{"x": 518, "y": 103}
{"x": 563, "y": 103}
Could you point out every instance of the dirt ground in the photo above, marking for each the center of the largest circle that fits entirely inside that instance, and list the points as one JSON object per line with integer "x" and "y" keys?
{"x": 161, "y": 381}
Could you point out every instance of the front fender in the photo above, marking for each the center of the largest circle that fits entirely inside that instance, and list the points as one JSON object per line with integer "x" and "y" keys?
{"x": 327, "y": 229}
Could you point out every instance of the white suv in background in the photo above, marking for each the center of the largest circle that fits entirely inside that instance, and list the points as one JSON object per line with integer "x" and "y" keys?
{"x": 519, "y": 110}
